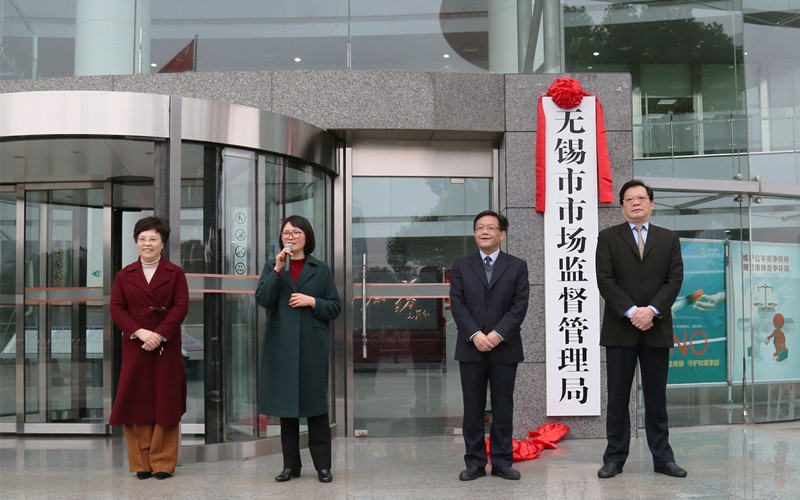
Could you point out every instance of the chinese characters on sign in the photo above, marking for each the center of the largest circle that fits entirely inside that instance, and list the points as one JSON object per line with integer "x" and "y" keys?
{"x": 766, "y": 263}
{"x": 572, "y": 300}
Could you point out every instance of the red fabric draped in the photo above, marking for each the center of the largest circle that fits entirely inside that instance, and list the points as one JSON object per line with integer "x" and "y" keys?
{"x": 545, "y": 437}
{"x": 567, "y": 94}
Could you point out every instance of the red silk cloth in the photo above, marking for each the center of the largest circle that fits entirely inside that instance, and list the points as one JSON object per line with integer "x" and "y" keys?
{"x": 545, "y": 437}
{"x": 567, "y": 93}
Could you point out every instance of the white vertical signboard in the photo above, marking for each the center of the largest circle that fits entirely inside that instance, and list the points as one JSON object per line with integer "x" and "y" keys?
{"x": 572, "y": 300}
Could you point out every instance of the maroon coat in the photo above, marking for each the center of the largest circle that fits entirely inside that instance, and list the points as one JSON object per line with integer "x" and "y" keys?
{"x": 152, "y": 384}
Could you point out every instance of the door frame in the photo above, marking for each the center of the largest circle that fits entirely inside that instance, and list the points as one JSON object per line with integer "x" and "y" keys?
{"x": 22, "y": 294}
{"x": 390, "y": 158}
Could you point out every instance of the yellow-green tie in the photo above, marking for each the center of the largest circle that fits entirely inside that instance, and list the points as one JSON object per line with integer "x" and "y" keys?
{"x": 641, "y": 242}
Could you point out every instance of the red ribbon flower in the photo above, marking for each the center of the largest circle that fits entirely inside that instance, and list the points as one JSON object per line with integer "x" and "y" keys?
{"x": 566, "y": 93}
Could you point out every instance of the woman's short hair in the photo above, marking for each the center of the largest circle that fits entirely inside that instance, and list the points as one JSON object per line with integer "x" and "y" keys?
{"x": 302, "y": 224}
{"x": 160, "y": 224}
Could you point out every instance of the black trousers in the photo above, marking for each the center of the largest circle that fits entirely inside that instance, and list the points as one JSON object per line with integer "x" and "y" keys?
{"x": 319, "y": 442}
{"x": 620, "y": 370}
{"x": 500, "y": 379}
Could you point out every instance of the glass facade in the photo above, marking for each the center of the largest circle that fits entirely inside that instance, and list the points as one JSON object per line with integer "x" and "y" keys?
{"x": 714, "y": 80}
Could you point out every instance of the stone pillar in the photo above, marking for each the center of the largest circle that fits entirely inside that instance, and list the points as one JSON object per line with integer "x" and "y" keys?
{"x": 526, "y": 229}
{"x": 104, "y": 37}
{"x": 503, "y": 48}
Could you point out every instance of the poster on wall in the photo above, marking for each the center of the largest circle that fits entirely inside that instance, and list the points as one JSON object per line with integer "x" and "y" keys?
{"x": 770, "y": 272}
{"x": 699, "y": 316}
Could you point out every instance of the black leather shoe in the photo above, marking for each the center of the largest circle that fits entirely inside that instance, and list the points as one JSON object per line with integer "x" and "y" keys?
{"x": 609, "y": 470}
{"x": 325, "y": 476}
{"x": 162, "y": 475}
{"x": 287, "y": 474}
{"x": 472, "y": 472}
{"x": 144, "y": 475}
{"x": 506, "y": 473}
{"x": 670, "y": 469}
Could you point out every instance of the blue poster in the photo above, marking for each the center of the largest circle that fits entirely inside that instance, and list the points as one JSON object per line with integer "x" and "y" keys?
{"x": 699, "y": 316}
{"x": 765, "y": 337}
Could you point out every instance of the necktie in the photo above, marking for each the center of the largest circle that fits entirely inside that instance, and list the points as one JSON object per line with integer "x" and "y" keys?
{"x": 641, "y": 241}
{"x": 488, "y": 265}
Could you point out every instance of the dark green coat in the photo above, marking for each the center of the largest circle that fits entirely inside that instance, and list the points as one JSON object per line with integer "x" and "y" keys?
{"x": 294, "y": 365}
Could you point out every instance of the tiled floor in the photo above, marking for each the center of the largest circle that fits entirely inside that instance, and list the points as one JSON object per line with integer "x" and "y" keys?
{"x": 724, "y": 462}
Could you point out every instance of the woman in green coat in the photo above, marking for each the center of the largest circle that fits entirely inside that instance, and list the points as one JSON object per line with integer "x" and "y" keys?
{"x": 293, "y": 378}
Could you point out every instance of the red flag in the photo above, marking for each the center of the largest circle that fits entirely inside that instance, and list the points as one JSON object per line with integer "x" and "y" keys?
{"x": 567, "y": 93}
{"x": 183, "y": 61}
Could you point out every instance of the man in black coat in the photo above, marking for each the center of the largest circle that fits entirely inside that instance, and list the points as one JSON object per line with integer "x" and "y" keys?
{"x": 489, "y": 298}
{"x": 639, "y": 274}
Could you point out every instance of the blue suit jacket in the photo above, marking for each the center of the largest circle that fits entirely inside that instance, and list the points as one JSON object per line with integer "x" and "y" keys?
{"x": 478, "y": 305}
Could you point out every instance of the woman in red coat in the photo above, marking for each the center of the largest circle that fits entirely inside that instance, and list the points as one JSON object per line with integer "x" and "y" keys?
{"x": 149, "y": 301}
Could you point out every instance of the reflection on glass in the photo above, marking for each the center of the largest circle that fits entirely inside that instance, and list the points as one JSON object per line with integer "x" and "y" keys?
{"x": 740, "y": 291}
{"x": 63, "y": 334}
{"x": 686, "y": 69}
{"x": 8, "y": 319}
{"x": 238, "y": 224}
{"x": 243, "y": 35}
{"x": 411, "y": 229}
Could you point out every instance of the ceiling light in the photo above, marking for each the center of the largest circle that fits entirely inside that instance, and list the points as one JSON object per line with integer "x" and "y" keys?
{"x": 446, "y": 56}
{"x": 153, "y": 65}
{"x": 297, "y": 59}
{"x": 595, "y": 54}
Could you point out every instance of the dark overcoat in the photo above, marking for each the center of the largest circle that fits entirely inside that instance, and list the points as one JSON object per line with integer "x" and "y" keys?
{"x": 626, "y": 280}
{"x": 152, "y": 384}
{"x": 293, "y": 371}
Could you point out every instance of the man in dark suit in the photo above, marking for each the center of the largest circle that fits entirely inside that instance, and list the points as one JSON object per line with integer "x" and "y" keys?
{"x": 639, "y": 274}
{"x": 489, "y": 299}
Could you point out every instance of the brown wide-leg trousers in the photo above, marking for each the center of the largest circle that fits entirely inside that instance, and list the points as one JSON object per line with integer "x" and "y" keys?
{"x": 152, "y": 447}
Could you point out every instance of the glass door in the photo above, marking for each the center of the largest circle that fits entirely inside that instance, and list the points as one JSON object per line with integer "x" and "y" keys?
{"x": 63, "y": 306}
{"x": 768, "y": 355}
{"x": 8, "y": 279}
{"x": 406, "y": 233}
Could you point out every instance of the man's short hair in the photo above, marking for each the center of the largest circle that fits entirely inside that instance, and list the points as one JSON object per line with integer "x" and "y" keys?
{"x": 501, "y": 219}
{"x": 633, "y": 183}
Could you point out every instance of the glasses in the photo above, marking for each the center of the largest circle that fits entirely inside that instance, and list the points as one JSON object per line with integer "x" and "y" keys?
{"x": 491, "y": 229}
{"x": 293, "y": 234}
{"x": 152, "y": 239}
{"x": 640, "y": 199}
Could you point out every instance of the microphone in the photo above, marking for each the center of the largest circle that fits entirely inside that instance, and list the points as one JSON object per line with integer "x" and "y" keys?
{"x": 287, "y": 261}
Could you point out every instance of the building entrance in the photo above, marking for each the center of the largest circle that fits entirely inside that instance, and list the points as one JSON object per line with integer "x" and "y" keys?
{"x": 407, "y": 229}
{"x": 61, "y": 246}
